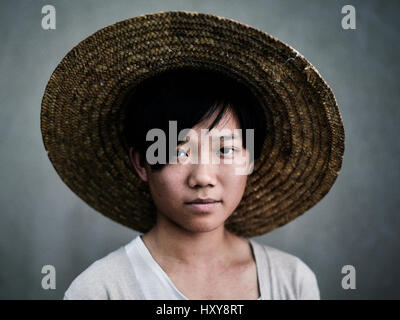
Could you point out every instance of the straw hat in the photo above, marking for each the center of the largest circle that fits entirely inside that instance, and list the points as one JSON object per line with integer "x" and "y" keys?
{"x": 82, "y": 121}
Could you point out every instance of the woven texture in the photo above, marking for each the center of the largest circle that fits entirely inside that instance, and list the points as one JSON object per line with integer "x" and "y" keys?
{"x": 82, "y": 118}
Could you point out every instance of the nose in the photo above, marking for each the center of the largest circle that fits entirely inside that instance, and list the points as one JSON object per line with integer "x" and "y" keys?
{"x": 202, "y": 175}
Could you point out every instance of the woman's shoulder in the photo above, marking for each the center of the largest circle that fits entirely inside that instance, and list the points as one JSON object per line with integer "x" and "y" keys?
{"x": 99, "y": 280}
{"x": 287, "y": 271}
{"x": 278, "y": 257}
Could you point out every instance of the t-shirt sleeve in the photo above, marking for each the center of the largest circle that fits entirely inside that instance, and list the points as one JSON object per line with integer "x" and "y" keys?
{"x": 89, "y": 285}
{"x": 307, "y": 284}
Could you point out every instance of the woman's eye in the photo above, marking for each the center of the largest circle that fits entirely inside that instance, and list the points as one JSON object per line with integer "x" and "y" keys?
{"x": 179, "y": 152}
{"x": 228, "y": 149}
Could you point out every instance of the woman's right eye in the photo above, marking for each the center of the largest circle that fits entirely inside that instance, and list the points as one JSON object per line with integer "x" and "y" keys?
{"x": 179, "y": 152}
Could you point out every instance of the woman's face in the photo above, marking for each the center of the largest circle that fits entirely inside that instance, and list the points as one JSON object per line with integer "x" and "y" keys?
{"x": 177, "y": 185}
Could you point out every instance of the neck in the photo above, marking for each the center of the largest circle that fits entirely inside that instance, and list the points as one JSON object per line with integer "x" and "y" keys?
{"x": 176, "y": 245}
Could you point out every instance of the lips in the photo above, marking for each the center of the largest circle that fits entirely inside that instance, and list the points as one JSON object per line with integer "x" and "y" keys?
{"x": 203, "y": 201}
{"x": 203, "y": 205}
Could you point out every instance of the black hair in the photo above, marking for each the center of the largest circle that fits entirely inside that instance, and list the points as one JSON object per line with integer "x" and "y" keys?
{"x": 189, "y": 96}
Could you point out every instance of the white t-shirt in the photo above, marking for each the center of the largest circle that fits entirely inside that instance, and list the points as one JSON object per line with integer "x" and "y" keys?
{"x": 158, "y": 284}
{"x": 132, "y": 273}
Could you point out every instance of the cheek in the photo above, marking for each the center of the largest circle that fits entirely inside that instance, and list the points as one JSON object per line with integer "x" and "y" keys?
{"x": 166, "y": 186}
{"x": 234, "y": 186}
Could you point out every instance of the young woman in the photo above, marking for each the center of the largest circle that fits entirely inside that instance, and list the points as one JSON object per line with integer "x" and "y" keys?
{"x": 239, "y": 161}
{"x": 194, "y": 198}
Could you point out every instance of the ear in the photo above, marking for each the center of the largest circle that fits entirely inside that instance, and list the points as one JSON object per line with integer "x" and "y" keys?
{"x": 135, "y": 159}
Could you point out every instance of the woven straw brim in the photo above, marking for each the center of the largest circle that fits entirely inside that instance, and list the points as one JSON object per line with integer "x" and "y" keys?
{"x": 81, "y": 117}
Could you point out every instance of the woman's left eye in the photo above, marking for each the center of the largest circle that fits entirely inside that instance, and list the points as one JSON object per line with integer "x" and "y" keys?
{"x": 228, "y": 148}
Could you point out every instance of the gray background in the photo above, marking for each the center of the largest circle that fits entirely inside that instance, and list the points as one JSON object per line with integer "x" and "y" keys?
{"x": 357, "y": 223}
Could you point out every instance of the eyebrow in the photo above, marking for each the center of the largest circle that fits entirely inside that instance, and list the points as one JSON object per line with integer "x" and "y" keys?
{"x": 228, "y": 137}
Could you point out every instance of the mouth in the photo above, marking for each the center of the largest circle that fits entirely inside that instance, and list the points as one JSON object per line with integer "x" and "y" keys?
{"x": 203, "y": 205}
{"x": 202, "y": 201}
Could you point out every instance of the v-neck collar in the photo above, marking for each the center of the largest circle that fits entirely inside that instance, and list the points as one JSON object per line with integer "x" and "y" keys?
{"x": 145, "y": 253}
